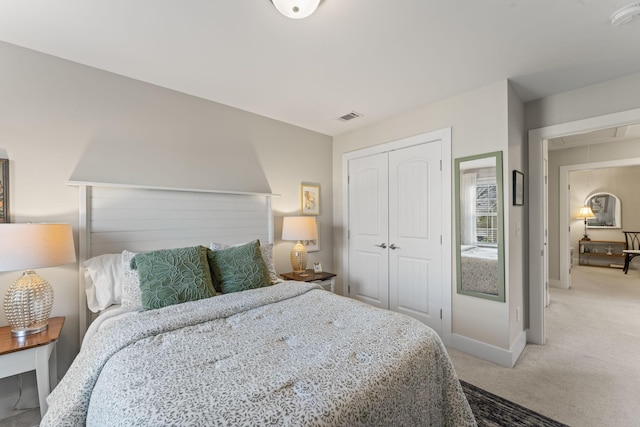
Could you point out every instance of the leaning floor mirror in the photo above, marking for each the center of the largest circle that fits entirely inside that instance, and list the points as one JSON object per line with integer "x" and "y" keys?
{"x": 480, "y": 226}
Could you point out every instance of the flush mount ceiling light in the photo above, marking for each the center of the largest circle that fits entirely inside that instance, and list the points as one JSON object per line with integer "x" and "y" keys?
{"x": 296, "y": 9}
{"x": 625, "y": 14}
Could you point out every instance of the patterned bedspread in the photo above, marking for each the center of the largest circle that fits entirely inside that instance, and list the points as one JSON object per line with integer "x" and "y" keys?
{"x": 480, "y": 270}
{"x": 290, "y": 354}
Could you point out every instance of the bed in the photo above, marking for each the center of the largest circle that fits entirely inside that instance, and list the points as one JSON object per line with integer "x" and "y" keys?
{"x": 479, "y": 269}
{"x": 286, "y": 353}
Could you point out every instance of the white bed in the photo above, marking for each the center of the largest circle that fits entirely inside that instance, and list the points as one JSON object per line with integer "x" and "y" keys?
{"x": 479, "y": 268}
{"x": 285, "y": 354}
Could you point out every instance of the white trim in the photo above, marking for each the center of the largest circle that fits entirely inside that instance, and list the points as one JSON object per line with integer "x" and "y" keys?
{"x": 444, "y": 136}
{"x": 537, "y": 137}
{"x": 555, "y": 283}
{"x": 154, "y": 187}
{"x": 84, "y": 219}
{"x": 491, "y": 353}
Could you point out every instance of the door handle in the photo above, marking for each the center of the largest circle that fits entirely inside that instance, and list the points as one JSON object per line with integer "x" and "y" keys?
{"x": 394, "y": 247}
{"x": 382, "y": 245}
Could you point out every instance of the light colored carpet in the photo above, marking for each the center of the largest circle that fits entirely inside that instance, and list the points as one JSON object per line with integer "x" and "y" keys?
{"x": 588, "y": 373}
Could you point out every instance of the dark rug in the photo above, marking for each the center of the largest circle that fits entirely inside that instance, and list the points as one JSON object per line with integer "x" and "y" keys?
{"x": 492, "y": 411}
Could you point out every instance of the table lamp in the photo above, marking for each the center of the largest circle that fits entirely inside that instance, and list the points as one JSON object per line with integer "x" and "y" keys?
{"x": 585, "y": 213}
{"x": 28, "y": 301}
{"x": 299, "y": 228}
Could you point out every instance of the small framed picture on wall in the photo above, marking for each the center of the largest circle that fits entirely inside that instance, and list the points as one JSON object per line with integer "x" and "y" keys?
{"x": 518, "y": 188}
{"x": 4, "y": 190}
{"x": 310, "y": 199}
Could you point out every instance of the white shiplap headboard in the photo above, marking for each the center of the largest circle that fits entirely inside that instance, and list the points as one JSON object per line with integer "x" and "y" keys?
{"x": 113, "y": 219}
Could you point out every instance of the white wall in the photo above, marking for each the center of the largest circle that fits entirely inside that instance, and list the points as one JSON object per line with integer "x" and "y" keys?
{"x": 608, "y": 97}
{"x": 479, "y": 121}
{"x": 53, "y": 112}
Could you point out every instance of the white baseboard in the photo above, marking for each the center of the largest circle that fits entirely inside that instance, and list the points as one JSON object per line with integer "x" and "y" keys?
{"x": 555, "y": 283}
{"x": 490, "y": 352}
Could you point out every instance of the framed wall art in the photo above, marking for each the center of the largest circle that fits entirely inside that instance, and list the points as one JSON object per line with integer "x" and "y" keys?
{"x": 4, "y": 190}
{"x": 310, "y": 199}
{"x": 518, "y": 188}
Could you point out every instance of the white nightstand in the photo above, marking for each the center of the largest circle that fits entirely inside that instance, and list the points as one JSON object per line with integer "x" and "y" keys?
{"x": 18, "y": 355}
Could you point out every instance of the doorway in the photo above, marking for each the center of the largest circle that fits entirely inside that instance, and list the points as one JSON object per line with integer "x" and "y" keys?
{"x": 538, "y": 212}
{"x": 567, "y": 221}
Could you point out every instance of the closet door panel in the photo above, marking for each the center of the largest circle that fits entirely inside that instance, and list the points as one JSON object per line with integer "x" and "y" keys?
{"x": 368, "y": 230}
{"x": 415, "y": 255}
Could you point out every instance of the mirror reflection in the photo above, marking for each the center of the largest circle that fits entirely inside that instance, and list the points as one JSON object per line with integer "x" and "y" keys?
{"x": 479, "y": 226}
{"x": 606, "y": 208}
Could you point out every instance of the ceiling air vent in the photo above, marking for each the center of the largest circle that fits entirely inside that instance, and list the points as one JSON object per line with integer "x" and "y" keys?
{"x": 352, "y": 115}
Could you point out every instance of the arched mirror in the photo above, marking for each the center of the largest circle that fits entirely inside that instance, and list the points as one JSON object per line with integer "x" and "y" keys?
{"x": 606, "y": 208}
{"x": 479, "y": 226}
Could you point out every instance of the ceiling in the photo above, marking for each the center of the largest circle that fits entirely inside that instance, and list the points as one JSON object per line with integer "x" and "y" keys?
{"x": 379, "y": 58}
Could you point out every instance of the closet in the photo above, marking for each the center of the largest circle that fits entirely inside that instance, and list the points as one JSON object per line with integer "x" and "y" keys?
{"x": 395, "y": 236}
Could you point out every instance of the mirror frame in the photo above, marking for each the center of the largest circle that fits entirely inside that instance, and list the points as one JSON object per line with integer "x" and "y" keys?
{"x": 500, "y": 296}
{"x": 617, "y": 214}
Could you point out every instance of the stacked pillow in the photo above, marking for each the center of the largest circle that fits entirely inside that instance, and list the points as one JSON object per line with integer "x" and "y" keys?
{"x": 171, "y": 276}
{"x": 239, "y": 268}
{"x": 265, "y": 250}
{"x": 103, "y": 281}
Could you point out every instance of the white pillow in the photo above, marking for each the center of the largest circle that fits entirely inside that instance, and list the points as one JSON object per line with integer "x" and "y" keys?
{"x": 131, "y": 294}
{"x": 103, "y": 281}
{"x": 265, "y": 250}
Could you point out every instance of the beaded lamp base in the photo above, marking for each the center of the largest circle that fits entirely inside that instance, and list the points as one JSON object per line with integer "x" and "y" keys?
{"x": 299, "y": 258}
{"x": 28, "y": 303}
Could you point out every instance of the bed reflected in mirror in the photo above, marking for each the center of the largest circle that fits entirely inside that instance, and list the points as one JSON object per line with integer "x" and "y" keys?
{"x": 479, "y": 226}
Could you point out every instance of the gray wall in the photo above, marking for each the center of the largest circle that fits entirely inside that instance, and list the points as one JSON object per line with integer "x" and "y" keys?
{"x": 54, "y": 113}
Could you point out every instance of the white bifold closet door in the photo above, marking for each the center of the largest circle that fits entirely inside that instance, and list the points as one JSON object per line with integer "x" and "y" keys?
{"x": 395, "y": 250}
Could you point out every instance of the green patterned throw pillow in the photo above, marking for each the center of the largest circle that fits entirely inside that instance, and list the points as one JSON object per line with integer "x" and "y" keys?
{"x": 239, "y": 268}
{"x": 173, "y": 276}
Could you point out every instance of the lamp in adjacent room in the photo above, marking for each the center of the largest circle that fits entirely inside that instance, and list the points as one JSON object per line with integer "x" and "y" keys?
{"x": 296, "y": 9}
{"x": 28, "y": 301}
{"x": 299, "y": 228}
{"x": 585, "y": 213}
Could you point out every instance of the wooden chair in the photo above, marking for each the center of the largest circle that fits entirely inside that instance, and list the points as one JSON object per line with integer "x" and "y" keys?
{"x": 633, "y": 248}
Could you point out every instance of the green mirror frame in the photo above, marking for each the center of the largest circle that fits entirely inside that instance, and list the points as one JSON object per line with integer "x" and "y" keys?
{"x": 478, "y": 258}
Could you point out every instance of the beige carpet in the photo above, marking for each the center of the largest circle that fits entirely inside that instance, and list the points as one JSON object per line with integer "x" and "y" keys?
{"x": 588, "y": 373}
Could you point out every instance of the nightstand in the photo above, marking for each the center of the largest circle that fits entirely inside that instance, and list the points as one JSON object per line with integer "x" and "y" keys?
{"x": 323, "y": 279}
{"x": 18, "y": 355}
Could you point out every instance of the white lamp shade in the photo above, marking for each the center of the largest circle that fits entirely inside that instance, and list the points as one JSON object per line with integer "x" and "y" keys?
{"x": 585, "y": 213}
{"x": 296, "y": 9}
{"x": 299, "y": 228}
{"x": 30, "y": 246}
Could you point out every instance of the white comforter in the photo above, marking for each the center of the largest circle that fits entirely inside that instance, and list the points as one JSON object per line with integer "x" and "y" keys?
{"x": 290, "y": 354}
